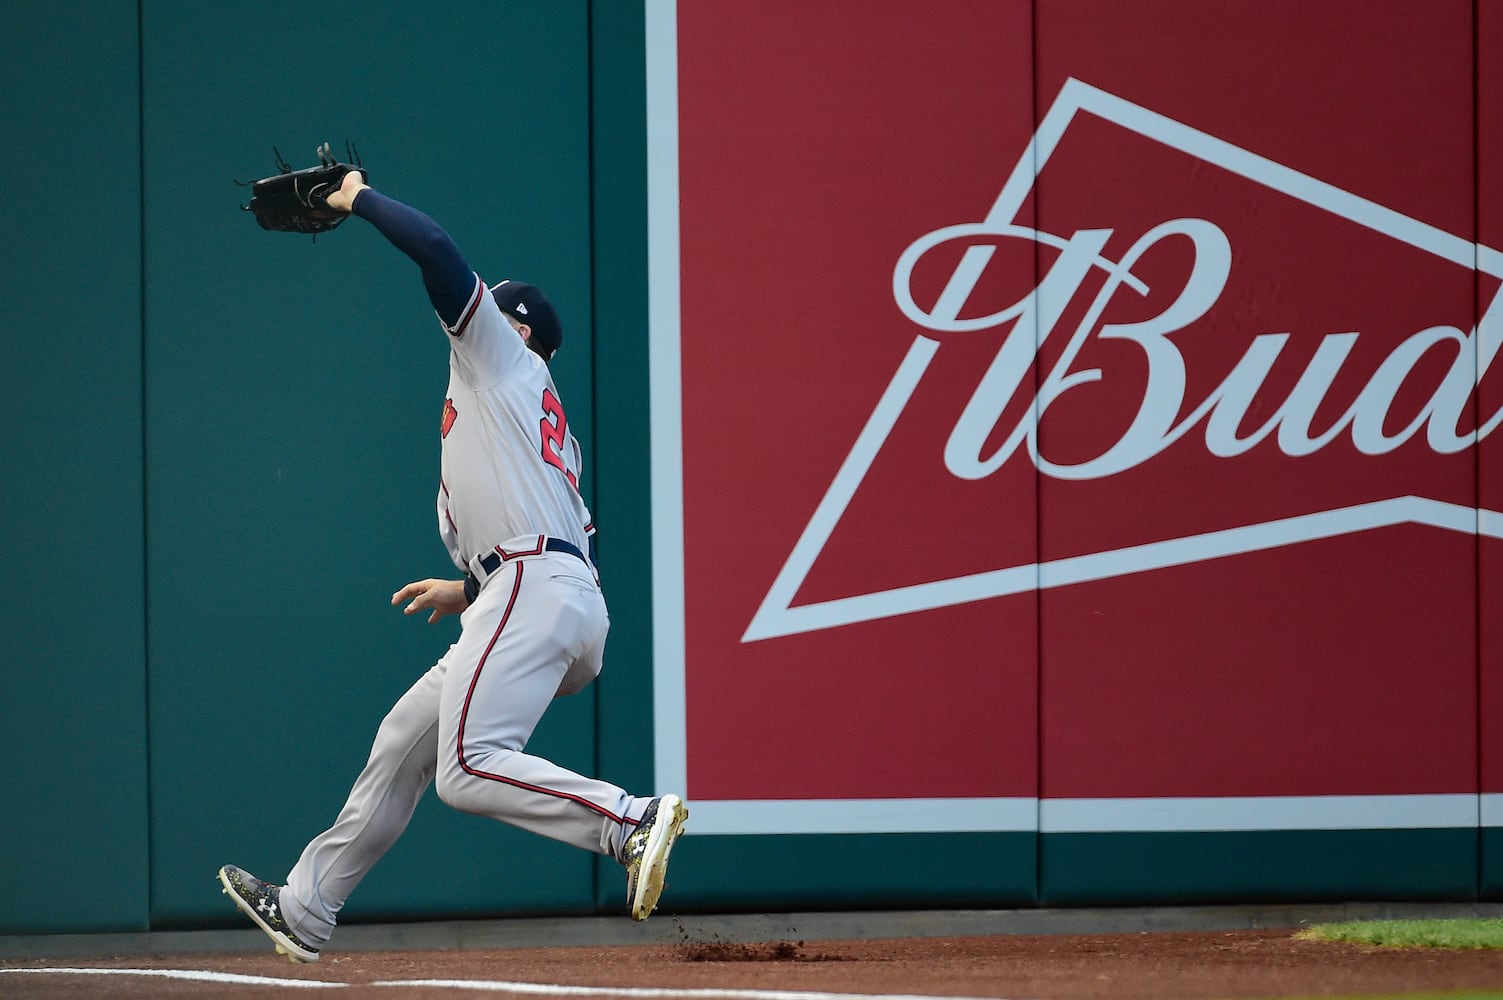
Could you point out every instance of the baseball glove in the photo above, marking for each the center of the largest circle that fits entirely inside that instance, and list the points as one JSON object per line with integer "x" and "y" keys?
{"x": 292, "y": 201}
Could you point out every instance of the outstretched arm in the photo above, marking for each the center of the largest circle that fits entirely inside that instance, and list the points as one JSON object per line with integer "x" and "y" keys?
{"x": 446, "y": 274}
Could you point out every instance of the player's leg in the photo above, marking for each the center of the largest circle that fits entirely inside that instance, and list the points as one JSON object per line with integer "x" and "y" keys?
{"x": 537, "y": 629}
{"x": 378, "y": 809}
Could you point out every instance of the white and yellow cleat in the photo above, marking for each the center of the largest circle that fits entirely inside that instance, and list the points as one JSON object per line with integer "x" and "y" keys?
{"x": 646, "y": 852}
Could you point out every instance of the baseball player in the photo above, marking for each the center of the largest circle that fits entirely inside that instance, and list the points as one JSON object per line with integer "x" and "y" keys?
{"x": 533, "y": 620}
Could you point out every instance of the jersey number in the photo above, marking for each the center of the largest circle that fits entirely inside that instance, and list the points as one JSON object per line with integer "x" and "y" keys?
{"x": 555, "y": 429}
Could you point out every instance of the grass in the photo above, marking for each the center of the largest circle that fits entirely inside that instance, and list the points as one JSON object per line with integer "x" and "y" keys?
{"x": 1411, "y": 933}
{"x": 1454, "y": 995}
{"x": 1461, "y": 995}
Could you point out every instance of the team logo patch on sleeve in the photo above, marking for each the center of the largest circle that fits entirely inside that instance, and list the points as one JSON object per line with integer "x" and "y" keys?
{"x": 450, "y": 415}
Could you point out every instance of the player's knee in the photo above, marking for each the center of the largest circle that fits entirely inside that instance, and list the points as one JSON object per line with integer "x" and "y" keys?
{"x": 450, "y": 786}
{"x": 469, "y": 788}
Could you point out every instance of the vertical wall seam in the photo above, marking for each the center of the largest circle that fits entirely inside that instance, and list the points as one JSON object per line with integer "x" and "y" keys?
{"x": 1038, "y": 492}
{"x": 593, "y": 213}
{"x": 145, "y": 468}
{"x": 1477, "y": 412}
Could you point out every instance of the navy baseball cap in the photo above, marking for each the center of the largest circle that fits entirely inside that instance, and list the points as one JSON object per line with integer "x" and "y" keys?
{"x": 528, "y": 305}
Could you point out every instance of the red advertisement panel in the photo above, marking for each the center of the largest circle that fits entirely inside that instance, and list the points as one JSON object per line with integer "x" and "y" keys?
{"x": 1078, "y": 402}
{"x": 1273, "y": 427}
{"x": 1490, "y": 466}
{"x": 816, "y": 143}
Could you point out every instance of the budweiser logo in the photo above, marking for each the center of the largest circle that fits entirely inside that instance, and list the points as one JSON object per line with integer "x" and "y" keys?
{"x": 1419, "y": 390}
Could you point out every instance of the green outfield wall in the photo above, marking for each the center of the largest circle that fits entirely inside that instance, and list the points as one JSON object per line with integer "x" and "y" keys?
{"x": 220, "y": 462}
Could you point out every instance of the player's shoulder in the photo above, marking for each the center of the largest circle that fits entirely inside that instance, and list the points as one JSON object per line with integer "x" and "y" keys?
{"x": 484, "y": 335}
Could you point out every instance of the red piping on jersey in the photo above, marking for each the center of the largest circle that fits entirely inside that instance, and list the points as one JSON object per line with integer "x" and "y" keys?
{"x": 469, "y": 313}
{"x": 536, "y": 550}
{"x": 447, "y": 516}
{"x": 511, "y": 602}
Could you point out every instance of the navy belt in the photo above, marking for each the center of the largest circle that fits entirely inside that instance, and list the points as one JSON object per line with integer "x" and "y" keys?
{"x": 492, "y": 560}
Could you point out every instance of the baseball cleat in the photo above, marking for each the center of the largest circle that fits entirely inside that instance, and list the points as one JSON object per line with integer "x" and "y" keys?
{"x": 647, "y": 850}
{"x": 263, "y": 904}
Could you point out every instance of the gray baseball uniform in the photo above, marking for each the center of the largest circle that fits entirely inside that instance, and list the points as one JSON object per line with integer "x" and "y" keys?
{"x": 511, "y": 515}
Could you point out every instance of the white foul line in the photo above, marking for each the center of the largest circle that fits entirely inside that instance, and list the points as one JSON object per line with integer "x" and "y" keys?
{"x": 194, "y": 975}
{"x": 653, "y": 993}
{"x": 499, "y": 986}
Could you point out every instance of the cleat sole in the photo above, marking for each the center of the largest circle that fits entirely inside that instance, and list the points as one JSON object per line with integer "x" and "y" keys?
{"x": 655, "y": 858}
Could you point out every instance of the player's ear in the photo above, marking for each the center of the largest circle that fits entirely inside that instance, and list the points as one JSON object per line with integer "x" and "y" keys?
{"x": 525, "y": 331}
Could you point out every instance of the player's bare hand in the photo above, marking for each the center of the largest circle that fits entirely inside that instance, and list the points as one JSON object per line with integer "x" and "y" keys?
{"x": 440, "y": 597}
{"x": 343, "y": 200}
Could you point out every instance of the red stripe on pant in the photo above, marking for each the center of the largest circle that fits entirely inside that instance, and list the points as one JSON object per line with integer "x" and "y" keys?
{"x": 511, "y": 603}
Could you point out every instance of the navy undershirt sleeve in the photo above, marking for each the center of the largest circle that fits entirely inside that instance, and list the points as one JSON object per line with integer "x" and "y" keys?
{"x": 446, "y": 273}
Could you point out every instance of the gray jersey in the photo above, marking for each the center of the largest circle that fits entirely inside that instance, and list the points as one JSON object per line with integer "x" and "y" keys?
{"x": 510, "y": 466}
